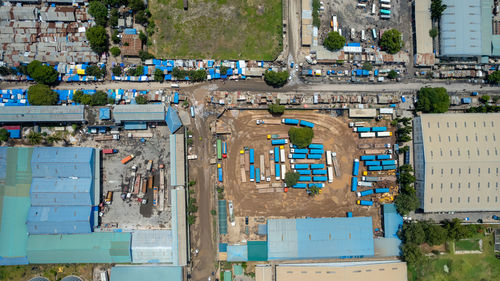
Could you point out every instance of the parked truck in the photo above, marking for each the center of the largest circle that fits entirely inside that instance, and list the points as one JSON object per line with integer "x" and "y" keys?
{"x": 317, "y": 166}
{"x": 381, "y": 190}
{"x": 370, "y": 179}
{"x": 282, "y": 154}
{"x": 303, "y": 172}
{"x": 319, "y": 172}
{"x": 252, "y": 173}
{"x": 372, "y": 163}
{"x": 283, "y": 171}
{"x": 316, "y": 184}
{"x": 269, "y": 122}
{"x": 306, "y": 124}
{"x": 388, "y": 162}
{"x": 367, "y": 157}
{"x": 109, "y": 151}
{"x": 276, "y": 136}
{"x": 354, "y": 184}
{"x": 277, "y": 171}
{"x": 316, "y": 151}
{"x": 361, "y": 129}
{"x": 252, "y": 156}
{"x": 367, "y": 135}
{"x": 300, "y": 166}
{"x": 303, "y": 161}
{"x": 382, "y": 145}
{"x": 315, "y": 146}
{"x": 296, "y": 156}
{"x": 314, "y": 156}
{"x": 299, "y": 150}
{"x": 320, "y": 178}
{"x": 383, "y": 156}
{"x": 365, "y": 183}
{"x": 365, "y": 193}
{"x": 388, "y": 168}
{"x": 290, "y": 121}
{"x": 257, "y": 175}
{"x": 355, "y": 167}
{"x": 128, "y": 159}
{"x": 304, "y": 178}
{"x": 378, "y": 129}
{"x": 378, "y": 151}
{"x": 219, "y": 174}
{"x": 279, "y": 142}
{"x": 374, "y": 168}
{"x": 364, "y": 203}
{"x": 383, "y": 134}
{"x": 330, "y": 174}
{"x": 300, "y": 185}
{"x": 276, "y": 155}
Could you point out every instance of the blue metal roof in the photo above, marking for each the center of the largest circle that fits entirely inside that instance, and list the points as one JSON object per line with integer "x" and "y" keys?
{"x": 61, "y": 185}
{"x": 173, "y": 120}
{"x": 60, "y": 220}
{"x": 150, "y": 273}
{"x": 104, "y": 113}
{"x": 319, "y": 238}
{"x": 152, "y": 246}
{"x": 392, "y": 221}
{"x": 62, "y": 162}
{"x": 237, "y": 253}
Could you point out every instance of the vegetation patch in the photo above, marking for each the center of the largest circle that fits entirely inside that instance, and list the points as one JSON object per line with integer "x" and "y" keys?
{"x": 216, "y": 29}
{"x": 467, "y": 245}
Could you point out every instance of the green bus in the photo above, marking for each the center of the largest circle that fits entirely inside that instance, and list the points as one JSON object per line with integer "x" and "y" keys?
{"x": 219, "y": 149}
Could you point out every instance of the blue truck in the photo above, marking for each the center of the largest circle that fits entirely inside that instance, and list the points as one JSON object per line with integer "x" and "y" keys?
{"x": 367, "y": 157}
{"x": 361, "y": 129}
{"x": 252, "y": 172}
{"x": 381, "y": 190}
{"x": 252, "y": 157}
{"x": 354, "y": 184}
{"x": 315, "y": 146}
{"x": 306, "y": 124}
{"x": 303, "y": 172}
{"x": 365, "y": 193}
{"x": 296, "y": 156}
{"x": 317, "y": 184}
{"x": 372, "y": 163}
{"x": 290, "y": 121}
{"x": 219, "y": 172}
{"x": 355, "y": 167}
{"x": 277, "y": 172}
{"x": 388, "y": 162}
{"x": 299, "y": 150}
{"x": 316, "y": 151}
{"x": 257, "y": 175}
{"x": 320, "y": 178}
{"x": 379, "y": 129}
{"x": 364, "y": 203}
{"x": 304, "y": 178}
{"x": 276, "y": 155}
{"x": 384, "y": 157}
{"x": 374, "y": 168}
{"x": 279, "y": 142}
{"x": 300, "y": 166}
{"x": 317, "y": 166}
{"x": 388, "y": 168}
{"x": 314, "y": 156}
{"x": 319, "y": 172}
{"x": 300, "y": 185}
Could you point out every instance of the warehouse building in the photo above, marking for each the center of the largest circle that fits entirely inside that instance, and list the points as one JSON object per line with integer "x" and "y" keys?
{"x": 139, "y": 113}
{"x": 457, "y": 162}
{"x": 319, "y": 238}
{"x": 150, "y": 273}
{"x": 42, "y": 114}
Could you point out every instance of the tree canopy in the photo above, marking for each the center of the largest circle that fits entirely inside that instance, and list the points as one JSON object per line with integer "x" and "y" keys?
{"x": 406, "y": 202}
{"x": 301, "y": 137}
{"x": 276, "y": 79}
{"x": 433, "y": 100}
{"x": 392, "y": 74}
{"x": 98, "y": 98}
{"x": 4, "y": 134}
{"x": 276, "y": 108}
{"x": 96, "y": 71}
{"x": 437, "y": 9}
{"x": 99, "y": 12}
{"x": 433, "y": 32}
{"x": 41, "y": 94}
{"x": 391, "y": 41}
{"x": 334, "y": 41}
{"x": 115, "y": 51}
{"x": 159, "y": 76}
{"x": 41, "y": 73}
{"x": 140, "y": 99}
{"x": 494, "y": 77}
{"x": 291, "y": 178}
{"x": 98, "y": 39}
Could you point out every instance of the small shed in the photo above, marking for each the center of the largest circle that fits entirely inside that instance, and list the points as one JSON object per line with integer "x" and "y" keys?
{"x": 104, "y": 113}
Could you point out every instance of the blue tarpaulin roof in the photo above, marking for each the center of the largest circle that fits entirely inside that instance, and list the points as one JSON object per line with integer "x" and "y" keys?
{"x": 237, "y": 253}
{"x": 173, "y": 120}
{"x": 135, "y": 126}
{"x": 176, "y": 98}
{"x": 104, "y": 114}
{"x": 130, "y": 31}
{"x": 392, "y": 221}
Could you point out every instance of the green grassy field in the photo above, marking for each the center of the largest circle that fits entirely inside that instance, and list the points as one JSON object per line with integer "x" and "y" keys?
{"x": 217, "y": 29}
{"x": 467, "y": 245}
{"x": 471, "y": 267}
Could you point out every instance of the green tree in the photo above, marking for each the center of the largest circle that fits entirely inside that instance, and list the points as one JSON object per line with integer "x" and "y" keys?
{"x": 334, "y": 41}
{"x": 113, "y": 17}
{"x": 301, "y": 137}
{"x": 99, "y": 98}
{"x": 4, "y": 135}
{"x": 435, "y": 234}
{"x": 191, "y": 219}
{"x": 54, "y": 138}
{"x": 432, "y": 100}
{"x": 315, "y": 13}
{"x": 140, "y": 99}
{"x": 41, "y": 73}
{"x": 484, "y": 99}
{"x": 197, "y": 75}
{"x": 433, "y": 32}
{"x": 455, "y": 229}
{"x": 494, "y": 77}
{"x": 367, "y": 66}
{"x": 142, "y": 17}
{"x": 34, "y": 138}
{"x": 223, "y": 70}
{"x": 40, "y": 94}
{"x": 291, "y": 178}
{"x": 414, "y": 232}
{"x": 115, "y": 38}
{"x": 136, "y": 5}
{"x": 81, "y": 98}
{"x": 159, "y": 76}
{"x": 116, "y": 70}
{"x": 96, "y": 71}
{"x": 98, "y": 39}
{"x": 99, "y": 12}
{"x": 404, "y": 149}
{"x": 276, "y": 108}
{"x": 437, "y": 9}
{"x": 145, "y": 55}
{"x": 392, "y": 74}
{"x": 412, "y": 254}
{"x": 115, "y": 51}
{"x": 276, "y": 79}
{"x": 391, "y": 41}
{"x": 313, "y": 191}
{"x": 143, "y": 37}
{"x": 406, "y": 203}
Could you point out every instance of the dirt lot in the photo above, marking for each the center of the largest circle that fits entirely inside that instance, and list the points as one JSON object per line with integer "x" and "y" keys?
{"x": 217, "y": 29}
{"x": 336, "y": 198}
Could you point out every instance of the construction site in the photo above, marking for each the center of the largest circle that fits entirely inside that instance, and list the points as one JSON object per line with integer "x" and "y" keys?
{"x": 255, "y": 153}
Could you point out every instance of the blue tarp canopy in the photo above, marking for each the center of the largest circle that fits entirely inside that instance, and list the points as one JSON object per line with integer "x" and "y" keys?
{"x": 104, "y": 114}
{"x": 135, "y": 126}
{"x": 173, "y": 120}
{"x": 130, "y": 31}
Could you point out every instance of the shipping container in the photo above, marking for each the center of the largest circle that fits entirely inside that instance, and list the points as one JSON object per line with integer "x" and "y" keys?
{"x": 330, "y": 174}
{"x": 299, "y": 150}
{"x": 283, "y": 171}
{"x": 355, "y": 167}
{"x": 364, "y": 203}
{"x": 296, "y": 156}
{"x": 224, "y": 149}
{"x": 383, "y": 134}
{"x": 306, "y": 124}
{"x": 300, "y": 166}
{"x": 304, "y": 178}
{"x": 276, "y": 155}
{"x": 279, "y": 142}
{"x": 300, "y": 185}
{"x": 365, "y": 183}
{"x": 365, "y": 193}
{"x": 319, "y": 172}
{"x": 384, "y": 157}
{"x": 277, "y": 171}
{"x": 369, "y": 178}
{"x": 320, "y": 178}
{"x": 378, "y": 129}
{"x": 219, "y": 149}
{"x": 388, "y": 162}
{"x": 303, "y": 172}
{"x": 372, "y": 163}
{"x": 316, "y": 184}
{"x": 354, "y": 184}
{"x": 361, "y": 129}
{"x": 317, "y": 166}
{"x": 282, "y": 155}
{"x": 252, "y": 173}
{"x": 109, "y": 151}
{"x": 388, "y": 168}
{"x": 328, "y": 158}
{"x": 374, "y": 168}
{"x": 367, "y": 135}
{"x": 127, "y": 159}
{"x": 290, "y": 121}
{"x": 316, "y": 151}
{"x": 314, "y": 156}
{"x": 315, "y": 146}
{"x": 257, "y": 175}
{"x": 219, "y": 172}
{"x": 367, "y": 157}
{"x": 381, "y": 190}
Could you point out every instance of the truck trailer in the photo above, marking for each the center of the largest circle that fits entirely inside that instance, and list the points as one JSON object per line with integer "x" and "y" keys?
{"x": 290, "y": 121}
{"x": 372, "y": 163}
{"x": 364, "y": 203}
{"x": 277, "y": 171}
{"x": 304, "y": 178}
{"x": 365, "y": 193}
{"x": 303, "y": 172}
{"x": 388, "y": 168}
{"x": 381, "y": 190}
{"x": 320, "y": 178}
{"x": 252, "y": 172}
{"x": 367, "y": 157}
{"x": 319, "y": 172}
{"x": 384, "y": 157}
{"x": 109, "y": 151}
{"x": 365, "y": 183}
{"x": 315, "y": 146}
{"x": 276, "y": 155}
{"x": 330, "y": 174}
{"x": 316, "y": 151}
{"x": 314, "y": 156}
{"x": 383, "y": 134}
{"x": 283, "y": 171}
{"x": 317, "y": 166}
{"x": 279, "y": 142}
{"x": 127, "y": 159}
{"x": 370, "y": 179}
{"x": 219, "y": 173}
{"x": 300, "y": 166}
{"x": 282, "y": 154}
{"x": 299, "y": 150}
{"x": 361, "y": 129}
{"x": 296, "y": 156}
{"x": 300, "y": 185}
{"x": 388, "y": 162}
{"x": 355, "y": 167}
{"x": 354, "y": 184}
{"x": 316, "y": 184}
{"x": 378, "y": 129}
{"x": 374, "y": 168}
{"x": 329, "y": 158}
{"x": 306, "y": 124}
{"x": 367, "y": 135}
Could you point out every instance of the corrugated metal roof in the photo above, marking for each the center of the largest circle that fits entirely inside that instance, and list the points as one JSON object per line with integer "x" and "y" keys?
{"x": 150, "y": 273}
{"x": 237, "y": 253}
{"x": 60, "y": 220}
{"x": 151, "y": 112}
{"x": 173, "y": 120}
{"x": 152, "y": 246}
{"x": 61, "y": 185}
{"x": 392, "y": 221}
{"x": 48, "y": 114}
{"x": 97, "y": 247}
{"x": 319, "y": 238}
{"x": 63, "y": 162}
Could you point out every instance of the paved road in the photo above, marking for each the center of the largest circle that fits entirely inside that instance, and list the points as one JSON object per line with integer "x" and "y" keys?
{"x": 473, "y": 217}
{"x": 202, "y": 232}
